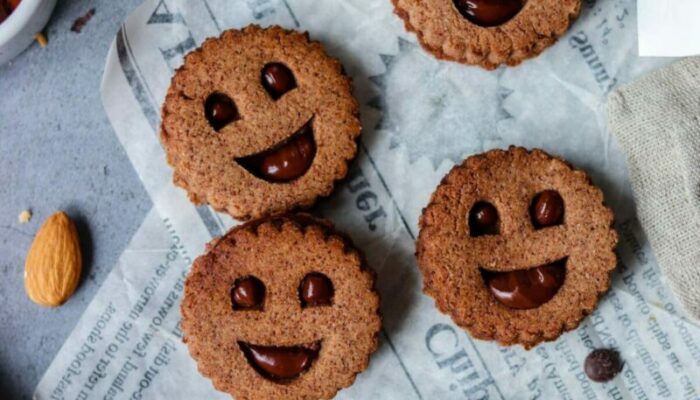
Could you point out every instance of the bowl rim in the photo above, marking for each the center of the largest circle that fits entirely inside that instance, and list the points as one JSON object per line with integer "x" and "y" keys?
{"x": 19, "y": 18}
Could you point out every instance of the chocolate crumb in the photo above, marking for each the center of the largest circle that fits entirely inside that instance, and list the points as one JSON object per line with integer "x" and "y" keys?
{"x": 602, "y": 365}
{"x": 79, "y": 23}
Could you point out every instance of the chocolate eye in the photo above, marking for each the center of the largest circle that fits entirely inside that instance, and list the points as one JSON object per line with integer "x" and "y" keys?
{"x": 316, "y": 290}
{"x": 247, "y": 293}
{"x": 547, "y": 209}
{"x": 277, "y": 79}
{"x": 483, "y": 219}
{"x": 220, "y": 110}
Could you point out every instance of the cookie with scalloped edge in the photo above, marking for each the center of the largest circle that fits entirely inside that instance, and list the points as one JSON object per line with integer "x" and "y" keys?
{"x": 281, "y": 307}
{"x": 491, "y": 265}
{"x": 259, "y": 121}
{"x": 487, "y": 33}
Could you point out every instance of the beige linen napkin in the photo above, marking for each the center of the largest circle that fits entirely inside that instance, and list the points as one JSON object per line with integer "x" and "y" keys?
{"x": 657, "y": 121}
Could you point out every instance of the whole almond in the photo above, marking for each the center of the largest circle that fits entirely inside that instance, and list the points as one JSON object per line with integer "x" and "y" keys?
{"x": 53, "y": 265}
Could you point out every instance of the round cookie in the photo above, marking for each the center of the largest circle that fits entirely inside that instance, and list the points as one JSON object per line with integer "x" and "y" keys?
{"x": 282, "y": 307}
{"x": 487, "y": 32}
{"x": 259, "y": 121}
{"x": 516, "y": 246}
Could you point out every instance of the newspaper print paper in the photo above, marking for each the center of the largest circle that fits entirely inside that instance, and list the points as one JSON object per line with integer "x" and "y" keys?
{"x": 420, "y": 117}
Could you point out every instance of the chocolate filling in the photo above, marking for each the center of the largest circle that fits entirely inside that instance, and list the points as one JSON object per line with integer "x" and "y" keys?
{"x": 525, "y": 289}
{"x": 278, "y": 363}
{"x": 285, "y": 161}
{"x": 488, "y": 13}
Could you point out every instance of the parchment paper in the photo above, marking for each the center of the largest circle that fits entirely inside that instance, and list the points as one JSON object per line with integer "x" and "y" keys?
{"x": 420, "y": 116}
{"x": 669, "y": 28}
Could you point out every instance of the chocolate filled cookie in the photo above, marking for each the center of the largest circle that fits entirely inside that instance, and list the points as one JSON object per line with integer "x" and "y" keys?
{"x": 259, "y": 121}
{"x": 281, "y": 308}
{"x": 516, "y": 246}
{"x": 487, "y": 32}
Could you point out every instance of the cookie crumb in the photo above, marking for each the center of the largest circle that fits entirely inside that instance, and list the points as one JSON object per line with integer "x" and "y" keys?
{"x": 24, "y": 216}
{"x": 80, "y": 22}
{"x": 41, "y": 39}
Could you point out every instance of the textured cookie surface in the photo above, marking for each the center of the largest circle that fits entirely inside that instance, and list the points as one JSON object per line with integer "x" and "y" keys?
{"x": 280, "y": 252}
{"x": 206, "y": 160}
{"x": 452, "y": 260}
{"x": 443, "y": 30}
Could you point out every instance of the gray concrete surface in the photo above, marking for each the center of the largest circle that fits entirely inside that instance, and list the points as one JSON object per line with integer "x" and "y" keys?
{"x": 58, "y": 151}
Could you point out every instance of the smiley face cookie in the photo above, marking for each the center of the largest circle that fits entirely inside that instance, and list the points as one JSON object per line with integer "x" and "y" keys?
{"x": 516, "y": 246}
{"x": 259, "y": 121}
{"x": 282, "y": 307}
{"x": 487, "y": 32}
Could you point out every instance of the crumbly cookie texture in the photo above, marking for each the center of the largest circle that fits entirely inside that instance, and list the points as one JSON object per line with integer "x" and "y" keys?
{"x": 451, "y": 260}
{"x": 280, "y": 251}
{"x": 445, "y": 33}
{"x": 204, "y": 159}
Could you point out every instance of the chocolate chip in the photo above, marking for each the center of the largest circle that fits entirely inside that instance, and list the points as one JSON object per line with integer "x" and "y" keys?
{"x": 483, "y": 219}
{"x": 316, "y": 290}
{"x": 220, "y": 110}
{"x": 526, "y": 288}
{"x": 488, "y": 13}
{"x": 602, "y": 365}
{"x": 547, "y": 209}
{"x": 285, "y": 162}
{"x": 277, "y": 79}
{"x": 279, "y": 363}
{"x": 247, "y": 293}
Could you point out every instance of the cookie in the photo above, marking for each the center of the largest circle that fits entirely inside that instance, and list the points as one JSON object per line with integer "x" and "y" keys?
{"x": 516, "y": 246}
{"x": 259, "y": 121}
{"x": 487, "y": 33}
{"x": 281, "y": 308}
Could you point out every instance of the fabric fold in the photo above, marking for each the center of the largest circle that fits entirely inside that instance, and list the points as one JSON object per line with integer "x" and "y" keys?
{"x": 657, "y": 121}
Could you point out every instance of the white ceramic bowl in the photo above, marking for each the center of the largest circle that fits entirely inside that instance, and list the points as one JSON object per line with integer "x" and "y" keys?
{"x": 18, "y": 30}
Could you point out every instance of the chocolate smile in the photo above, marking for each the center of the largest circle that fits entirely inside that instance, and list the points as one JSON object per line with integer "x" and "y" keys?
{"x": 284, "y": 161}
{"x": 280, "y": 364}
{"x": 487, "y": 13}
{"x": 526, "y": 288}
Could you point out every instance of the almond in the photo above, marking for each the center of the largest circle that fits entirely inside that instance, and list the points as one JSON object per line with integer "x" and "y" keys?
{"x": 53, "y": 265}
